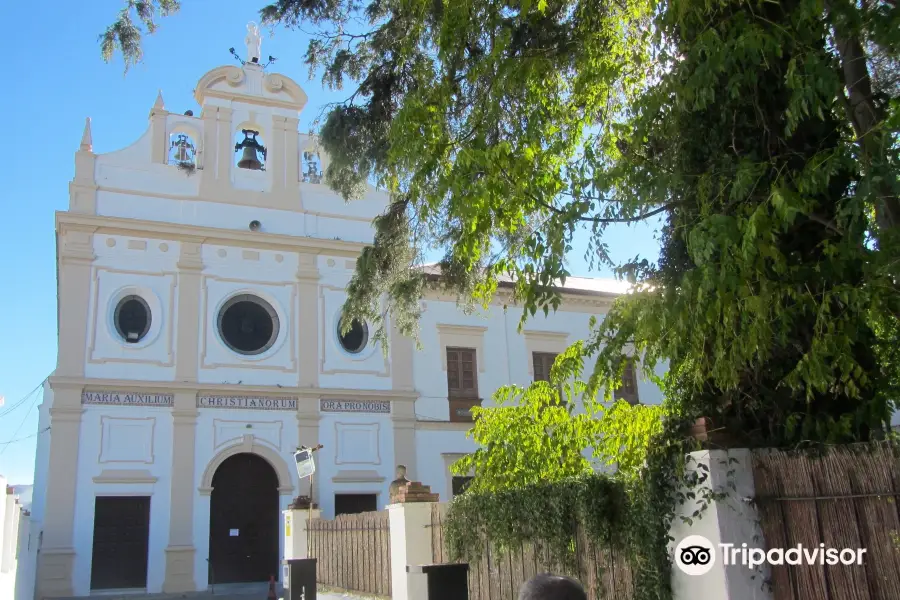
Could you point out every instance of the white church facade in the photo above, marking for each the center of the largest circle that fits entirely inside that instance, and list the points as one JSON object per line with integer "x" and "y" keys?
{"x": 200, "y": 282}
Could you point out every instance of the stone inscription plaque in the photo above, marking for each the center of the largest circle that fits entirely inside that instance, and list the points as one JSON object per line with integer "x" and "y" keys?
{"x": 248, "y": 402}
{"x": 355, "y": 406}
{"x": 127, "y": 398}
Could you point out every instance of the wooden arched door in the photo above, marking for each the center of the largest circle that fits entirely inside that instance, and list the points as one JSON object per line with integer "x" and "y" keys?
{"x": 243, "y": 521}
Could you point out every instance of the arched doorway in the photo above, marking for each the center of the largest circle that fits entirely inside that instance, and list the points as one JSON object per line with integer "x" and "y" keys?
{"x": 243, "y": 521}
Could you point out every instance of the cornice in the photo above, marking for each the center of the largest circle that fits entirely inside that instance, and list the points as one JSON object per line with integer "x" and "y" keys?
{"x": 555, "y": 336}
{"x": 504, "y": 299}
{"x": 219, "y": 199}
{"x": 172, "y": 387}
{"x": 125, "y": 476}
{"x": 444, "y": 426}
{"x": 208, "y": 235}
{"x": 452, "y": 329}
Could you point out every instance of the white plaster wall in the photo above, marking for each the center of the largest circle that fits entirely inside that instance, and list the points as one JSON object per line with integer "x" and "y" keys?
{"x": 429, "y": 376}
{"x": 41, "y": 458}
{"x": 147, "y": 268}
{"x": 188, "y": 211}
{"x": 346, "y": 438}
{"x": 368, "y": 369}
{"x": 431, "y": 446}
{"x": 7, "y": 578}
{"x": 26, "y": 558}
{"x": 217, "y": 430}
{"x": 325, "y": 223}
{"x": 229, "y": 272}
{"x": 10, "y": 535}
{"x": 506, "y": 356}
{"x": 131, "y": 169}
{"x": 111, "y": 443}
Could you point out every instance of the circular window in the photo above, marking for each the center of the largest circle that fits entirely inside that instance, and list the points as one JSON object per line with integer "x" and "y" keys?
{"x": 248, "y": 324}
{"x": 132, "y": 319}
{"x": 354, "y": 340}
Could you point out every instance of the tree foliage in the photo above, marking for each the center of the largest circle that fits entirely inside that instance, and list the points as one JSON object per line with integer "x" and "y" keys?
{"x": 765, "y": 134}
{"x": 553, "y": 431}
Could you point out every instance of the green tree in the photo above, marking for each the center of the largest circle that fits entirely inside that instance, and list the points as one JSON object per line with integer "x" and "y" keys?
{"x": 537, "y": 434}
{"x": 755, "y": 129}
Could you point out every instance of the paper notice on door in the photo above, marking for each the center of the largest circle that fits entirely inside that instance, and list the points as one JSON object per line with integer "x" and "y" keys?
{"x": 233, "y": 532}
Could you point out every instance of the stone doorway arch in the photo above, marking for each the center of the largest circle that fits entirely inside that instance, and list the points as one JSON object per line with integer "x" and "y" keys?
{"x": 246, "y": 485}
{"x": 248, "y": 445}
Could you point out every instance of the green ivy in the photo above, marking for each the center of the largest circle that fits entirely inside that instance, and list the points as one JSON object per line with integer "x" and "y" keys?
{"x": 546, "y": 515}
{"x": 624, "y": 514}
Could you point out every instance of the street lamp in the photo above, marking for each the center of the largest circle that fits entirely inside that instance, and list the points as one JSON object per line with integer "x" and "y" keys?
{"x": 303, "y": 458}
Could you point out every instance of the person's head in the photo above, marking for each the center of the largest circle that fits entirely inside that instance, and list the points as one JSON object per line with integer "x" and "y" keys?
{"x": 551, "y": 587}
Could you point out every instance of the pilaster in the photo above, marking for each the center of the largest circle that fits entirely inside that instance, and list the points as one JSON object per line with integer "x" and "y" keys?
{"x": 57, "y": 556}
{"x": 224, "y": 147}
{"x": 187, "y": 347}
{"x": 210, "y": 151}
{"x": 180, "y": 551}
{"x": 401, "y": 360}
{"x": 403, "y": 417}
{"x": 276, "y": 155}
{"x": 308, "y": 434}
{"x": 75, "y": 255}
{"x": 292, "y": 156}
{"x": 308, "y": 320}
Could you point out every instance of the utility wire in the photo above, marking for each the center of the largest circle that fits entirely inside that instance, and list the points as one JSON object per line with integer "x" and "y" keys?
{"x": 22, "y": 400}
{"x": 22, "y": 439}
{"x": 22, "y": 422}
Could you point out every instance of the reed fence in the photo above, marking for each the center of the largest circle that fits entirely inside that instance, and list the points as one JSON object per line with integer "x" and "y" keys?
{"x": 604, "y": 573}
{"x": 846, "y": 498}
{"x": 353, "y": 552}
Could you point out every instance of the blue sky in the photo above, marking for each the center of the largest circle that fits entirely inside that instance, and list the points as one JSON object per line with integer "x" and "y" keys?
{"x": 55, "y": 78}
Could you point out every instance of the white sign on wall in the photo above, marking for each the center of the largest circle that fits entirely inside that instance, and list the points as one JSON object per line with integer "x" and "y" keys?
{"x": 127, "y": 398}
{"x": 355, "y": 406}
{"x": 248, "y": 402}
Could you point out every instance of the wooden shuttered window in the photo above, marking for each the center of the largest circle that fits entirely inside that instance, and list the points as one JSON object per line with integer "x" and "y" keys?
{"x": 628, "y": 391}
{"x": 542, "y": 363}
{"x": 462, "y": 383}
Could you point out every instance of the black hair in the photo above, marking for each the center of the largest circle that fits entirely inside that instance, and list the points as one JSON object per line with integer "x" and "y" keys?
{"x": 552, "y": 587}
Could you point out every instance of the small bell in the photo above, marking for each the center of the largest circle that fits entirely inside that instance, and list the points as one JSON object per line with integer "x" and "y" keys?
{"x": 251, "y": 151}
{"x": 184, "y": 149}
{"x": 181, "y": 154}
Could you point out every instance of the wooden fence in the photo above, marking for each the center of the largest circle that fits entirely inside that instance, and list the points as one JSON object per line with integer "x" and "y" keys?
{"x": 498, "y": 577}
{"x": 845, "y": 499}
{"x": 353, "y": 552}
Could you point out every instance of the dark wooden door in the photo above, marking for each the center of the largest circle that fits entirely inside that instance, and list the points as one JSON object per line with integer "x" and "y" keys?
{"x": 121, "y": 534}
{"x": 243, "y": 522}
{"x": 351, "y": 504}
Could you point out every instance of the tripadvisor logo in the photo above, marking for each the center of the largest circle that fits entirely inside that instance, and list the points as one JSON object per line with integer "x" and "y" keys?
{"x": 696, "y": 555}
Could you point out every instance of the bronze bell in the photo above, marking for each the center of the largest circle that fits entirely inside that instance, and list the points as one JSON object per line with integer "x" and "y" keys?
{"x": 181, "y": 154}
{"x": 251, "y": 151}
{"x": 184, "y": 149}
{"x": 249, "y": 160}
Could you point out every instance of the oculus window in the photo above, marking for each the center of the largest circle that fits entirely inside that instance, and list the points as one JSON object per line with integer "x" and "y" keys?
{"x": 132, "y": 319}
{"x": 248, "y": 324}
{"x": 355, "y": 340}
